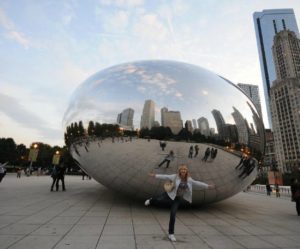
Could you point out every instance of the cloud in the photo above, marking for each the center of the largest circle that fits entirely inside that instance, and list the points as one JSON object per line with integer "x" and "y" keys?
{"x": 12, "y": 32}
{"x": 149, "y": 27}
{"x": 19, "y": 38}
{"x": 15, "y": 111}
{"x": 117, "y": 21}
{"x": 122, "y": 3}
{"x": 5, "y": 22}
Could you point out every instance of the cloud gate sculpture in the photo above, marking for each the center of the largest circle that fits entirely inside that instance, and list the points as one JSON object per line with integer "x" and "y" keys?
{"x": 125, "y": 121}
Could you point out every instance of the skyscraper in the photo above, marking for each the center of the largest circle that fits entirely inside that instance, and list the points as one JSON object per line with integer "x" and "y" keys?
{"x": 219, "y": 122}
{"x": 267, "y": 24}
{"x": 285, "y": 100}
{"x": 163, "y": 112}
{"x": 125, "y": 118}
{"x": 148, "y": 116}
{"x": 194, "y": 124}
{"x": 241, "y": 125}
{"x": 203, "y": 126}
{"x": 173, "y": 121}
{"x": 252, "y": 92}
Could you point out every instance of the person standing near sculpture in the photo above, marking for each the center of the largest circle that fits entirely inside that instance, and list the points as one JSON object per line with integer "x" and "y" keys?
{"x": 277, "y": 189}
{"x": 180, "y": 195}
{"x": 295, "y": 190}
{"x": 61, "y": 177}
{"x": 2, "y": 171}
{"x": 54, "y": 177}
{"x": 268, "y": 189}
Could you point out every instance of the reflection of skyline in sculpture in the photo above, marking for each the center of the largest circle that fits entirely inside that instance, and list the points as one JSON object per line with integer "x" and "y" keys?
{"x": 219, "y": 122}
{"x": 204, "y": 126}
{"x": 178, "y": 93}
{"x": 148, "y": 116}
{"x": 188, "y": 125}
{"x": 171, "y": 119}
{"x": 241, "y": 125}
{"x": 194, "y": 124}
{"x": 125, "y": 118}
{"x": 257, "y": 138}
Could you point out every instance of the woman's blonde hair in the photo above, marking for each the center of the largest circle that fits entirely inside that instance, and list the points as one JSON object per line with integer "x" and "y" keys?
{"x": 183, "y": 166}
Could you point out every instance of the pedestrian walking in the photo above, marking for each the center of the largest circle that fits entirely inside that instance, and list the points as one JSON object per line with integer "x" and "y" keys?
{"x": 180, "y": 195}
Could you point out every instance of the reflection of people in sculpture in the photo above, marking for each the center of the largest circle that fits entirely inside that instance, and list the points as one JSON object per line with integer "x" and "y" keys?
{"x": 191, "y": 151}
{"x": 206, "y": 154}
{"x": 162, "y": 145}
{"x": 181, "y": 194}
{"x": 168, "y": 159}
{"x": 196, "y": 150}
{"x": 240, "y": 165}
{"x": 248, "y": 167}
{"x": 213, "y": 153}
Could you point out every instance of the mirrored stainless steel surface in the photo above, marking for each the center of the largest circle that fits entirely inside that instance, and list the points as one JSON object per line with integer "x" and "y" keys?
{"x": 124, "y": 121}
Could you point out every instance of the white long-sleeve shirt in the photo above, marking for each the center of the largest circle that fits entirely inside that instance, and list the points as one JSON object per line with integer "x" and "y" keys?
{"x": 176, "y": 179}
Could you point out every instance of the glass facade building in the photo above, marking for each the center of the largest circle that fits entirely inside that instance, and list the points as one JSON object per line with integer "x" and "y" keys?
{"x": 267, "y": 24}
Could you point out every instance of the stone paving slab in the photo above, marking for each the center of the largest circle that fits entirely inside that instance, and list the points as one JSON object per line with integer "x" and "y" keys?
{"x": 89, "y": 216}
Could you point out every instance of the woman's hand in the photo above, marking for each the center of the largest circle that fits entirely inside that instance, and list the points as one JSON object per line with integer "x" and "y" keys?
{"x": 151, "y": 174}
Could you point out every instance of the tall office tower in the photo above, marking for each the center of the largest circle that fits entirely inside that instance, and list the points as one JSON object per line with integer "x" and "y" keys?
{"x": 188, "y": 125}
{"x": 162, "y": 112}
{"x": 148, "y": 116}
{"x": 194, "y": 123}
{"x": 253, "y": 93}
{"x": 173, "y": 121}
{"x": 285, "y": 100}
{"x": 267, "y": 24}
{"x": 241, "y": 125}
{"x": 127, "y": 118}
{"x": 203, "y": 126}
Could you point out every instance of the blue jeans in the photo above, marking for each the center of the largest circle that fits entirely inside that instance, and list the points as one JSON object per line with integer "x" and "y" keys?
{"x": 166, "y": 201}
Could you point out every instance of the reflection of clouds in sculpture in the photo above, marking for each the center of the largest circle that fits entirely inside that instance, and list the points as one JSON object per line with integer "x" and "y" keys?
{"x": 181, "y": 87}
{"x": 173, "y": 95}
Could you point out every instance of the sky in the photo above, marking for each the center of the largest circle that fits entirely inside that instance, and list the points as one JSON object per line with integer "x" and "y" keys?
{"x": 47, "y": 48}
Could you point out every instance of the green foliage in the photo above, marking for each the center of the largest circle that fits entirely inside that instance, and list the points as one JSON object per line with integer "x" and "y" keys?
{"x": 8, "y": 150}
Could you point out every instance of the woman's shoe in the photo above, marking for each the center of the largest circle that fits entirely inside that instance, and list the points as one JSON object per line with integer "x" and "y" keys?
{"x": 147, "y": 202}
{"x": 172, "y": 237}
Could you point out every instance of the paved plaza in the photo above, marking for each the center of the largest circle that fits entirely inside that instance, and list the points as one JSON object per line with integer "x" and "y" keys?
{"x": 89, "y": 215}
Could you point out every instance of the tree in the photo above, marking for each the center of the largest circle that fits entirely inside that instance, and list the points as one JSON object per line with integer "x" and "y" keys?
{"x": 7, "y": 150}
